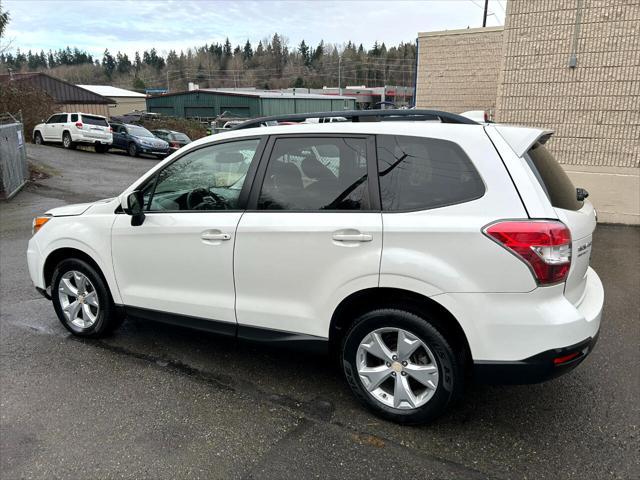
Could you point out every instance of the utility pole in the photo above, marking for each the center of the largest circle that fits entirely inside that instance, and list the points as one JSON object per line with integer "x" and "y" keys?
{"x": 484, "y": 17}
{"x": 167, "y": 80}
{"x": 339, "y": 74}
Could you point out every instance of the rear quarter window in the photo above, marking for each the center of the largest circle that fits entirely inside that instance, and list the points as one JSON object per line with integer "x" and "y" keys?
{"x": 553, "y": 179}
{"x": 419, "y": 173}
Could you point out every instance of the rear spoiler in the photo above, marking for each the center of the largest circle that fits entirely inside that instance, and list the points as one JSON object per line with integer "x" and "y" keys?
{"x": 521, "y": 139}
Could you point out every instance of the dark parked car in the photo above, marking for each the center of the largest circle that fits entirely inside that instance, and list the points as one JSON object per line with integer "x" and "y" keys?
{"x": 135, "y": 140}
{"x": 175, "y": 139}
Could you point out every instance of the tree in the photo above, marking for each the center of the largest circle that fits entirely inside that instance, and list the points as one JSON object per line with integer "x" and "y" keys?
{"x": 318, "y": 53}
{"x": 304, "y": 53}
{"x": 138, "y": 84}
{"x": 108, "y": 64}
{"x": 247, "y": 52}
{"x": 51, "y": 60}
{"x": 137, "y": 63}
{"x": 226, "y": 50}
{"x": 299, "y": 83}
{"x": 124, "y": 64}
{"x": 4, "y": 21}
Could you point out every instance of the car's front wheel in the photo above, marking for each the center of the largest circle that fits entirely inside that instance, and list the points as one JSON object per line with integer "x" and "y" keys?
{"x": 37, "y": 138}
{"x": 82, "y": 300}
{"x": 400, "y": 366}
{"x": 132, "y": 150}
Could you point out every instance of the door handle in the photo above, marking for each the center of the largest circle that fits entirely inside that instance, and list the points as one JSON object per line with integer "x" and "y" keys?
{"x": 210, "y": 236}
{"x": 352, "y": 237}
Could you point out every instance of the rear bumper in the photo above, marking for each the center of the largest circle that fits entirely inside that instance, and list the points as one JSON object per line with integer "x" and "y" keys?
{"x": 538, "y": 368}
{"x": 510, "y": 327}
{"x": 80, "y": 138}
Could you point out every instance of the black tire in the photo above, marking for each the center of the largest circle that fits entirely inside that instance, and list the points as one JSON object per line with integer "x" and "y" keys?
{"x": 100, "y": 148}
{"x": 37, "y": 139}
{"x": 107, "y": 319}
{"x": 132, "y": 150}
{"x": 450, "y": 366}
{"x": 67, "y": 142}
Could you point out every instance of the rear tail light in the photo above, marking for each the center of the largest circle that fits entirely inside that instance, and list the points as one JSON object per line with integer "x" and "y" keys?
{"x": 175, "y": 145}
{"x": 110, "y": 129}
{"x": 544, "y": 246}
{"x": 79, "y": 124}
{"x": 566, "y": 358}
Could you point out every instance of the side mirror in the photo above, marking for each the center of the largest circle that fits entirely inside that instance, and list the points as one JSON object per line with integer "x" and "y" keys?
{"x": 581, "y": 194}
{"x": 135, "y": 208}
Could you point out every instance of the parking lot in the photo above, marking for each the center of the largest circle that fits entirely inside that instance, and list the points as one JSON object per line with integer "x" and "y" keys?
{"x": 158, "y": 401}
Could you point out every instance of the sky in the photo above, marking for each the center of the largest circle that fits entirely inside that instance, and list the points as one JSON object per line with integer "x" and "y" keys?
{"x": 130, "y": 25}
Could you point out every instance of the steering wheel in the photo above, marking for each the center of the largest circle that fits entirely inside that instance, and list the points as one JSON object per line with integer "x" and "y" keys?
{"x": 204, "y": 199}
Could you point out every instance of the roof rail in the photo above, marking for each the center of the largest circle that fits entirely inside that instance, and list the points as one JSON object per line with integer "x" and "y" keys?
{"x": 362, "y": 116}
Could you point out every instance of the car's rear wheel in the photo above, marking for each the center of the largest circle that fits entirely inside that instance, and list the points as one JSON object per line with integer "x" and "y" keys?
{"x": 132, "y": 150}
{"x": 400, "y": 366}
{"x": 67, "y": 142}
{"x": 82, "y": 300}
{"x": 37, "y": 139}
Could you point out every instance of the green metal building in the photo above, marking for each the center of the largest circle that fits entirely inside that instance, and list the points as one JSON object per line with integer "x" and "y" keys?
{"x": 209, "y": 103}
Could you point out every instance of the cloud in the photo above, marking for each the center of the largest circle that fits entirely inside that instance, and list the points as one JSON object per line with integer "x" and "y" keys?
{"x": 138, "y": 25}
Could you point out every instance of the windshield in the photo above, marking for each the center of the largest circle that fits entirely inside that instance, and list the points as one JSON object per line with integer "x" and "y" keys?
{"x": 139, "y": 132}
{"x": 180, "y": 137}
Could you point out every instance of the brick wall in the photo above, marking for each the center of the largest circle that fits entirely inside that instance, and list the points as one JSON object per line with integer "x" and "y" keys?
{"x": 458, "y": 69}
{"x": 594, "y": 108}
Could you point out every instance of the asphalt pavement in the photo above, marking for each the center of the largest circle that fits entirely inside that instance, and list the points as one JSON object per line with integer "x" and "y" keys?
{"x": 158, "y": 401}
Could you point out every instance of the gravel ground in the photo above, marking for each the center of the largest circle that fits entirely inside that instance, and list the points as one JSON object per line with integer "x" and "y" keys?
{"x": 157, "y": 401}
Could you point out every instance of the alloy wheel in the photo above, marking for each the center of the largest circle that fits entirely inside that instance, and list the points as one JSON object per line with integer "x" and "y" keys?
{"x": 78, "y": 299}
{"x": 66, "y": 141}
{"x": 397, "y": 368}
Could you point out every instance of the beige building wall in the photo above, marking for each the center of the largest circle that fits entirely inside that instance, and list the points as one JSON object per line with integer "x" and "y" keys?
{"x": 127, "y": 104}
{"x": 594, "y": 108}
{"x": 96, "y": 109}
{"x": 458, "y": 69}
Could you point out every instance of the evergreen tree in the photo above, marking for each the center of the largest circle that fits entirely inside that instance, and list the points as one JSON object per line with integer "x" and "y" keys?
{"x": 304, "y": 53}
{"x": 108, "y": 64}
{"x": 247, "y": 52}
{"x": 124, "y": 65}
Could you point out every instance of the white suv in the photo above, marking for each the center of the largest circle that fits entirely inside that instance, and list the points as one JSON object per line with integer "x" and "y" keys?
{"x": 73, "y": 129}
{"x": 422, "y": 254}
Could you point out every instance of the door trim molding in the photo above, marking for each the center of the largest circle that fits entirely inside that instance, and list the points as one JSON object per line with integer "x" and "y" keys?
{"x": 298, "y": 341}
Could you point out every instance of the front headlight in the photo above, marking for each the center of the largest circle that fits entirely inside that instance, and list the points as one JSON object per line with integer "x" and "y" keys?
{"x": 38, "y": 223}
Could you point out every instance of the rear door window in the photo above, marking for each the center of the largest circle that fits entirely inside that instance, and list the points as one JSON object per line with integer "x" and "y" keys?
{"x": 93, "y": 120}
{"x": 418, "y": 173}
{"x": 552, "y": 177}
{"x": 74, "y": 117}
{"x": 316, "y": 174}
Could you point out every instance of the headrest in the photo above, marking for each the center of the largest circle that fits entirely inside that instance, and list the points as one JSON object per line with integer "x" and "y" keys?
{"x": 313, "y": 168}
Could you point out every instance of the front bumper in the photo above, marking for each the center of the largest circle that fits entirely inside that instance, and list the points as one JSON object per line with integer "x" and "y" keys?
{"x": 538, "y": 368}
{"x": 153, "y": 150}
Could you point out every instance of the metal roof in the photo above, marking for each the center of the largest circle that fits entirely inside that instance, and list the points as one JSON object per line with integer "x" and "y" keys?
{"x": 274, "y": 94}
{"x": 257, "y": 94}
{"x": 58, "y": 89}
{"x": 109, "y": 91}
